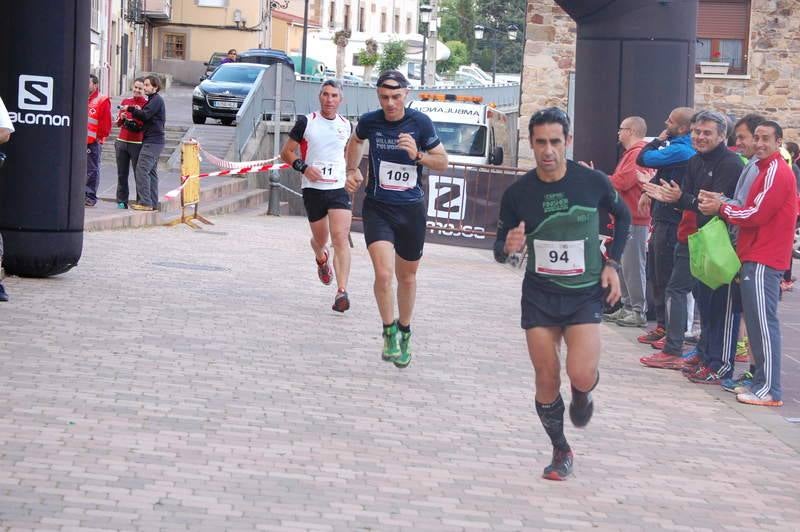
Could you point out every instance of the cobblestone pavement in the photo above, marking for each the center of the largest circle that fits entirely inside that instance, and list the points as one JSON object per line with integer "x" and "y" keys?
{"x": 182, "y": 380}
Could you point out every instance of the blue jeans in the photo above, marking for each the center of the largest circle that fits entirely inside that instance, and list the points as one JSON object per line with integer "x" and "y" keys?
{"x": 92, "y": 169}
{"x": 760, "y": 291}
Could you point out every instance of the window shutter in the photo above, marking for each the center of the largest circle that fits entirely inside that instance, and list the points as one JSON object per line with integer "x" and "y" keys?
{"x": 723, "y": 20}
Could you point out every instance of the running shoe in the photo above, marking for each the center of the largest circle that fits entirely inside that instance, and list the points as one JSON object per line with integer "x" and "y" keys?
{"x": 390, "y": 348}
{"x": 659, "y": 344}
{"x": 787, "y": 286}
{"x": 632, "y": 319}
{"x": 324, "y": 268}
{"x": 404, "y": 359}
{"x": 560, "y": 467}
{"x": 739, "y": 385}
{"x": 614, "y": 316}
{"x": 742, "y": 349}
{"x": 660, "y": 360}
{"x": 122, "y": 205}
{"x": 653, "y": 335}
{"x": 705, "y": 376}
{"x": 750, "y": 398}
{"x": 693, "y": 371}
{"x": 342, "y": 302}
{"x": 581, "y": 408}
{"x": 687, "y": 360}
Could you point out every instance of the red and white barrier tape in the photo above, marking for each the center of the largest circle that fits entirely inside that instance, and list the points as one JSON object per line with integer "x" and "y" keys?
{"x": 230, "y": 165}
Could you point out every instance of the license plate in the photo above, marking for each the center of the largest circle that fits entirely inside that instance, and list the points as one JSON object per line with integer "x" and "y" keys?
{"x": 226, "y": 105}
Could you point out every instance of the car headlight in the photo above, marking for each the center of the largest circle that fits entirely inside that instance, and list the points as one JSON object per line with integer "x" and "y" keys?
{"x": 197, "y": 92}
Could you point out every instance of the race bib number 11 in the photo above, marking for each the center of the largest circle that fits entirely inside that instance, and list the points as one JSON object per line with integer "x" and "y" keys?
{"x": 559, "y": 258}
{"x": 395, "y": 176}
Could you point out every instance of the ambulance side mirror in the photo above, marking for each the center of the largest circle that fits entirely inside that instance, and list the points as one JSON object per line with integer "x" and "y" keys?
{"x": 496, "y": 157}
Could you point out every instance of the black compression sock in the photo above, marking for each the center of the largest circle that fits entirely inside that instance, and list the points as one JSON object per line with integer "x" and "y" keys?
{"x": 404, "y": 328}
{"x": 753, "y": 369}
{"x": 552, "y": 418}
{"x": 577, "y": 391}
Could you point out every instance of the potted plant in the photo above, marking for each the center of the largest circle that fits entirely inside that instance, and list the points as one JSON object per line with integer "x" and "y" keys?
{"x": 715, "y": 66}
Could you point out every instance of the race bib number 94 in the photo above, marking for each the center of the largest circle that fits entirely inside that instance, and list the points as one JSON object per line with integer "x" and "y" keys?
{"x": 559, "y": 258}
{"x": 393, "y": 176}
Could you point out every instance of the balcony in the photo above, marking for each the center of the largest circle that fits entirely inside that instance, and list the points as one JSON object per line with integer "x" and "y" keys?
{"x": 157, "y": 9}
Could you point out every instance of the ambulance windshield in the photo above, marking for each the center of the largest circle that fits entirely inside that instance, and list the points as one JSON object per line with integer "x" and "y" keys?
{"x": 462, "y": 139}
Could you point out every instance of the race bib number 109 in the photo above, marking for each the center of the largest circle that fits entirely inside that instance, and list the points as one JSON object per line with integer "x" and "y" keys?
{"x": 394, "y": 176}
{"x": 559, "y": 258}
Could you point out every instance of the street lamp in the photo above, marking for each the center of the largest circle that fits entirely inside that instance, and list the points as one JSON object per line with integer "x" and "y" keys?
{"x": 511, "y": 32}
{"x": 424, "y": 18}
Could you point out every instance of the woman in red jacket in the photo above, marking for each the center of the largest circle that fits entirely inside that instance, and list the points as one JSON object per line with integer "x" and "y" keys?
{"x": 129, "y": 140}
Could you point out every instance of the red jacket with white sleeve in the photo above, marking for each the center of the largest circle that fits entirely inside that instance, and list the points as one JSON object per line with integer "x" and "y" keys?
{"x": 767, "y": 219}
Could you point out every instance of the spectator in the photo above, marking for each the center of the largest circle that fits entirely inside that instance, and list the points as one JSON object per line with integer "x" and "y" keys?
{"x": 230, "y": 58}
{"x": 625, "y": 180}
{"x": 153, "y": 114}
{"x": 794, "y": 153}
{"x": 669, "y": 154}
{"x": 98, "y": 128}
{"x": 129, "y": 140}
{"x": 6, "y": 129}
{"x": 766, "y": 228}
{"x": 716, "y": 169}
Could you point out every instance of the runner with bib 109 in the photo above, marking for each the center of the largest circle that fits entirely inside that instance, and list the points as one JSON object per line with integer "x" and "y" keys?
{"x": 401, "y": 142}
{"x": 554, "y": 210}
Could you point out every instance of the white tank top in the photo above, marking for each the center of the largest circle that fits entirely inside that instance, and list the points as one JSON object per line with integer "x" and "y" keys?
{"x": 323, "y": 146}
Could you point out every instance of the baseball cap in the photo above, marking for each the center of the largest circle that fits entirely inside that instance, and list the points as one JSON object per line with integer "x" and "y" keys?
{"x": 400, "y": 81}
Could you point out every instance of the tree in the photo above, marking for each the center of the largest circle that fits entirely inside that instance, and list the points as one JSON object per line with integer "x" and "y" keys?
{"x": 459, "y": 55}
{"x": 340, "y": 38}
{"x": 458, "y": 19}
{"x": 499, "y": 14}
{"x": 394, "y": 55}
{"x": 368, "y": 58}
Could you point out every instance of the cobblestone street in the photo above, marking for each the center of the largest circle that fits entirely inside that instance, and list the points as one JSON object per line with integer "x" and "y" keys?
{"x": 198, "y": 380}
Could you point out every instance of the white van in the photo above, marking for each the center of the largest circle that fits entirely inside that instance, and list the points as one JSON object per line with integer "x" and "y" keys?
{"x": 471, "y": 132}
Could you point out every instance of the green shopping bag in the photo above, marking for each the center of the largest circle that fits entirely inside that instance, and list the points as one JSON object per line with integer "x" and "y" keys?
{"x": 712, "y": 259}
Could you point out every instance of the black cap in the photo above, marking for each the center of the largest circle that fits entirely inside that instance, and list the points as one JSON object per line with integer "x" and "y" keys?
{"x": 392, "y": 75}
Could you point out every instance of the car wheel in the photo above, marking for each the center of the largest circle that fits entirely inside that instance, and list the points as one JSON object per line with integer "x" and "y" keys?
{"x": 226, "y": 121}
{"x": 796, "y": 246}
{"x": 198, "y": 119}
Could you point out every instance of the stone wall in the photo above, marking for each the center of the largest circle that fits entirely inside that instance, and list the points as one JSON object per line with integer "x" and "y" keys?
{"x": 774, "y": 63}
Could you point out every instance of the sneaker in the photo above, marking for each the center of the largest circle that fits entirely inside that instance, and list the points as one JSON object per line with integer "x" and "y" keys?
{"x": 653, "y": 335}
{"x": 390, "y": 349}
{"x": 404, "y": 359}
{"x": 122, "y": 205}
{"x": 581, "y": 408}
{"x": 560, "y": 467}
{"x": 659, "y": 344}
{"x": 787, "y": 286}
{"x": 660, "y": 360}
{"x": 694, "y": 371}
{"x": 706, "y": 376}
{"x": 614, "y": 316}
{"x": 89, "y": 202}
{"x": 324, "y": 268}
{"x": 737, "y": 386}
{"x": 742, "y": 349}
{"x": 3, "y": 294}
{"x": 749, "y": 398}
{"x": 632, "y": 319}
{"x": 141, "y": 207}
{"x": 688, "y": 360}
{"x": 691, "y": 339}
{"x": 342, "y": 302}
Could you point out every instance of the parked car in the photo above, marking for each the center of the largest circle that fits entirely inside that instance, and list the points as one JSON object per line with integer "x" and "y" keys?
{"x": 222, "y": 94}
{"x": 213, "y": 63}
{"x": 265, "y": 56}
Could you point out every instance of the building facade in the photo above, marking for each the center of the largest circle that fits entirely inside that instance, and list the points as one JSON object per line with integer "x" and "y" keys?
{"x": 752, "y": 45}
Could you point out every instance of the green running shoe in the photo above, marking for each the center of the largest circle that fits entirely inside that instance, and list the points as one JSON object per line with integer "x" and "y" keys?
{"x": 390, "y": 349}
{"x": 405, "y": 350}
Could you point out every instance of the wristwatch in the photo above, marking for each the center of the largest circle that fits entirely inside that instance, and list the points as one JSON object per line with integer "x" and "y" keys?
{"x": 418, "y": 158}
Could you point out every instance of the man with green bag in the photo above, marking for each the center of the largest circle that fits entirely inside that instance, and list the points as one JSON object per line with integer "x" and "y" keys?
{"x": 717, "y": 169}
{"x": 766, "y": 230}
{"x": 712, "y": 259}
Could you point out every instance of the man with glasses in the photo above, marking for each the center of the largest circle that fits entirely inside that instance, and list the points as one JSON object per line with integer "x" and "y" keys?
{"x": 322, "y": 137}
{"x": 554, "y": 210}
{"x": 401, "y": 142}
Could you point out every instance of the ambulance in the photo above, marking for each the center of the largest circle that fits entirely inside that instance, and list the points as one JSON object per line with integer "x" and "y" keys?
{"x": 471, "y": 131}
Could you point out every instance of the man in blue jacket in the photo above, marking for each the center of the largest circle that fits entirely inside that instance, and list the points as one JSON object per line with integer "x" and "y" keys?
{"x": 669, "y": 154}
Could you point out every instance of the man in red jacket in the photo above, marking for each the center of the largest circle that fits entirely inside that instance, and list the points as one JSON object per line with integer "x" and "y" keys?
{"x": 98, "y": 128}
{"x": 766, "y": 229}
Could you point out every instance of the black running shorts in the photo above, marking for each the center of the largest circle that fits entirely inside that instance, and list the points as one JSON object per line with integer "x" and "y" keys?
{"x": 319, "y": 202}
{"x": 402, "y": 225}
{"x": 549, "y": 309}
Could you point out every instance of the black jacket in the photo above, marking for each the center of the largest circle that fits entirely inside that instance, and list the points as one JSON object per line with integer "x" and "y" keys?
{"x": 154, "y": 115}
{"x": 715, "y": 171}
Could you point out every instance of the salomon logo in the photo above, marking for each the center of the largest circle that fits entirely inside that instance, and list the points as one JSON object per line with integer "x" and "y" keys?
{"x": 35, "y": 93}
{"x": 447, "y": 197}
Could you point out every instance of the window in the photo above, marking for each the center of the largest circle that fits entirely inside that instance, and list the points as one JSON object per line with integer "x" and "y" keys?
{"x": 383, "y": 22}
{"x": 347, "y": 17}
{"x": 396, "y": 27}
{"x": 722, "y": 33}
{"x": 361, "y": 18}
{"x": 174, "y": 46}
{"x": 212, "y": 3}
{"x": 332, "y": 19}
{"x": 95, "y": 20}
{"x": 408, "y": 24}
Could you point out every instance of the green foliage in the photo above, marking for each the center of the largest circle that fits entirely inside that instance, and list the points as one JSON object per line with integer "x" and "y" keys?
{"x": 500, "y": 14}
{"x": 394, "y": 55}
{"x": 458, "y": 19}
{"x": 459, "y": 55}
{"x": 368, "y": 59}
